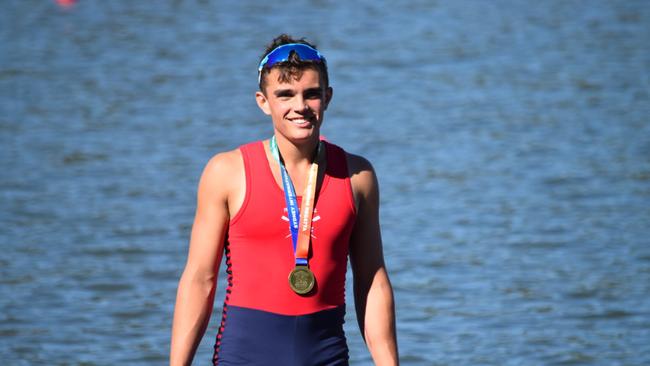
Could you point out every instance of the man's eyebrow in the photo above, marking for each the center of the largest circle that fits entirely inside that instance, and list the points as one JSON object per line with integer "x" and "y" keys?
{"x": 280, "y": 92}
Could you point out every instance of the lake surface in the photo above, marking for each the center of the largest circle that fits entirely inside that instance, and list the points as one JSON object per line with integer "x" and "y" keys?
{"x": 511, "y": 140}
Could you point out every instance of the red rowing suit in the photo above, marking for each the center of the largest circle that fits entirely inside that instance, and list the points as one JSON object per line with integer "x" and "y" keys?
{"x": 262, "y": 316}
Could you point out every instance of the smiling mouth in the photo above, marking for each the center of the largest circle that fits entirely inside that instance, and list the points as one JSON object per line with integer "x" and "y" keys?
{"x": 300, "y": 121}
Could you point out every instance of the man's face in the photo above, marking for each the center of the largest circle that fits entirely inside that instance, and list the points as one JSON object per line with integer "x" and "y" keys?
{"x": 297, "y": 106}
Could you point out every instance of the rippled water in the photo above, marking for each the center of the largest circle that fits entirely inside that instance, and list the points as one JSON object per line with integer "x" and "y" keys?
{"x": 511, "y": 140}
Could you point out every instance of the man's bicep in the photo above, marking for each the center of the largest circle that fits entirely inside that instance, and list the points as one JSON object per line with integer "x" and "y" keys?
{"x": 211, "y": 219}
{"x": 366, "y": 253}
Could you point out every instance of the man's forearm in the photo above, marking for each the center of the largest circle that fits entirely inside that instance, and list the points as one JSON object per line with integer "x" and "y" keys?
{"x": 194, "y": 301}
{"x": 379, "y": 321}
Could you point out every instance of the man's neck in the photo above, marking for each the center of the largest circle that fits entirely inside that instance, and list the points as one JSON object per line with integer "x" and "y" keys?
{"x": 297, "y": 154}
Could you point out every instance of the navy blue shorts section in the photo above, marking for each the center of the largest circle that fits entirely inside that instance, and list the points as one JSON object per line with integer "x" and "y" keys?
{"x": 255, "y": 337}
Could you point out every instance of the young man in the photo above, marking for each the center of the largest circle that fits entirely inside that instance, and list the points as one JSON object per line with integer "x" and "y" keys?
{"x": 287, "y": 212}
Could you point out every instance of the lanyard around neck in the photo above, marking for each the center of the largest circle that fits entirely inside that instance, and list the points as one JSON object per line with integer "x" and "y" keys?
{"x": 299, "y": 221}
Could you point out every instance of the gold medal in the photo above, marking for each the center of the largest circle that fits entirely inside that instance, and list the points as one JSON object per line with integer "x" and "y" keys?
{"x": 301, "y": 280}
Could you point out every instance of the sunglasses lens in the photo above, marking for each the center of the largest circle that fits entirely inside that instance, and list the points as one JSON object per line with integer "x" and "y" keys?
{"x": 282, "y": 54}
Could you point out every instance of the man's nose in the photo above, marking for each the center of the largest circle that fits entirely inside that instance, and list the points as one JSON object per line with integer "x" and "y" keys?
{"x": 300, "y": 104}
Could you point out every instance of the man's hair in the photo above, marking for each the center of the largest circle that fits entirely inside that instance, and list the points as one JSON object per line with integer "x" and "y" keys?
{"x": 294, "y": 66}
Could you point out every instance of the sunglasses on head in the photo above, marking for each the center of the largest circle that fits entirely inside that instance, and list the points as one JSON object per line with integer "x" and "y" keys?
{"x": 282, "y": 53}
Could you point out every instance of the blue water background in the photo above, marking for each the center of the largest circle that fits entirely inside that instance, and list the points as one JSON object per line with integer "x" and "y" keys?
{"x": 511, "y": 140}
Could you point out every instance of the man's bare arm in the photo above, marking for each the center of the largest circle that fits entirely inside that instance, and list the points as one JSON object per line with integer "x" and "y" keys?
{"x": 373, "y": 294}
{"x": 197, "y": 286}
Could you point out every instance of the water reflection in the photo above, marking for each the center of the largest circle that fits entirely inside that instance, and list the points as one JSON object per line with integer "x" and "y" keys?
{"x": 511, "y": 141}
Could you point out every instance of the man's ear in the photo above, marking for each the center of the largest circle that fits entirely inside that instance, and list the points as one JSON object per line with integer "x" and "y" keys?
{"x": 262, "y": 102}
{"x": 329, "y": 92}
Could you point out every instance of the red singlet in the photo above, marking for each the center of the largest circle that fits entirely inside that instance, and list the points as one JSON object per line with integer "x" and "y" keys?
{"x": 259, "y": 252}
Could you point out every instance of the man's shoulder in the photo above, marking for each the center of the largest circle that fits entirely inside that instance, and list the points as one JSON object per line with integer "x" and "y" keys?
{"x": 361, "y": 173}
{"x": 223, "y": 168}
{"x": 356, "y": 163}
{"x": 226, "y": 160}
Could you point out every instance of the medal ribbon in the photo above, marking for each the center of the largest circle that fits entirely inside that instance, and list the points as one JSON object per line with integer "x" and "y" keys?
{"x": 299, "y": 225}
